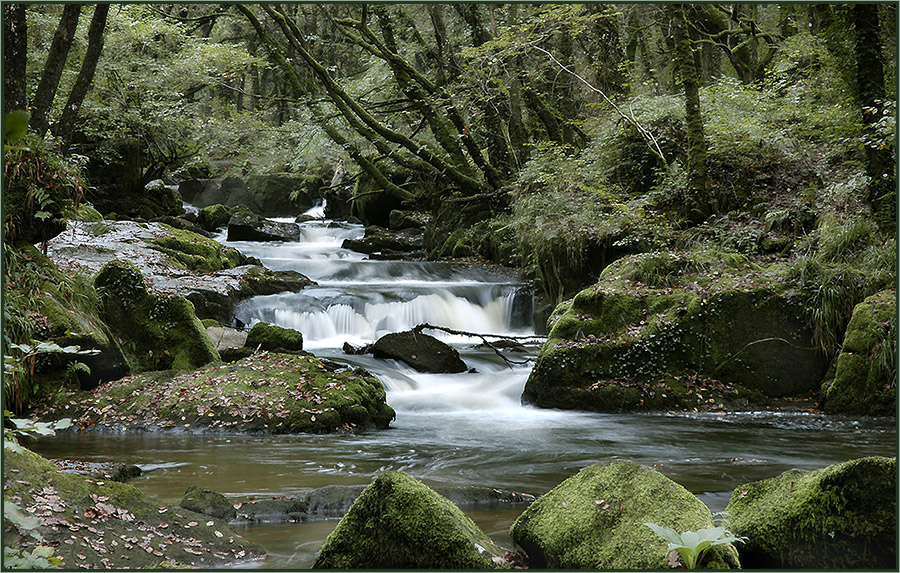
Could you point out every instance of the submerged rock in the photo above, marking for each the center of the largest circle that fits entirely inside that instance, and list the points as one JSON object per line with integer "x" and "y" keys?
{"x": 266, "y": 392}
{"x": 208, "y": 502}
{"x": 840, "y": 517}
{"x": 653, "y": 317}
{"x": 399, "y": 523}
{"x": 865, "y": 380}
{"x": 423, "y": 352}
{"x": 97, "y": 523}
{"x": 246, "y": 226}
{"x": 114, "y": 471}
{"x": 595, "y": 520}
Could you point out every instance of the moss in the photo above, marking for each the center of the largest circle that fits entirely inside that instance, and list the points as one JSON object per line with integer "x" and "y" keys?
{"x": 213, "y": 217}
{"x": 594, "y": 520}
{"x": 87, "y": 213}
{"x": 273, "y": 337}
{"x": 195, "y": 252}
{"x": 865, "y": 374}
{"x": 114, "y": 512}
{"x": 399, "y": 523}
{"x": 842, "y": 516}
{"x": 735, "y": 323}
{"x": 272, "y": 393}
{"x": 160, "y": 332}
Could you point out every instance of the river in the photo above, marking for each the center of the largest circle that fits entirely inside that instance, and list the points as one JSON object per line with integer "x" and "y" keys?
{"x": 451, "y": 429}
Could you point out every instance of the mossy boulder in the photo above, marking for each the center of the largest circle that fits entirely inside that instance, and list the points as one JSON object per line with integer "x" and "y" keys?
{"x": 865, "y": 378}
{"x": 595, "y": 520}
{"x": 273, "y": 337}
{"x": 843, "y": 516}
{"x": 160, "y": 332}
{"x": 208, "y": 502}
{"x": 397, "y": 522}
{"x": 265, "y": 393}
{"x": 423, "y": 352}
{"x": 71, "y": 326}
{"x": 195, "y": 252}
{"x": 213, "y": 217}
{"x": 87, "y": 214}
{"x": 261, "y": 281}
{"x": 656, "y": 317}
{"x": 97, "y": 523}
{"x": 399, "y": 220}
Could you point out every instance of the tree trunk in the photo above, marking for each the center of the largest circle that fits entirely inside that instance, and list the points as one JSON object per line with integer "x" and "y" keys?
{"x": 53, "y": 68}
{"x": 66, "y": 126}
{"x": 698, "y": 202}
{"x": 15, "y": 56}
{"x": 880, "y": 166}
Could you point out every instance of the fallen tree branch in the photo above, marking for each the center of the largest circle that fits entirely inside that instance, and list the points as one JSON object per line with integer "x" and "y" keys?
{"x": 484, "y": 338}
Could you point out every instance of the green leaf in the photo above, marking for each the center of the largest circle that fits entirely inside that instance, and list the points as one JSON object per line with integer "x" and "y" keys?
{"x": 42, "y": 215}
{"x": 15, "y": 125}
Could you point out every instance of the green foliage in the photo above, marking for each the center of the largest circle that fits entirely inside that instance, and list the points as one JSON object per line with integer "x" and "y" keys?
{"x": 846, "y": 259}
{"x": 692, "y": 545}
{"x": 15, "y": 125}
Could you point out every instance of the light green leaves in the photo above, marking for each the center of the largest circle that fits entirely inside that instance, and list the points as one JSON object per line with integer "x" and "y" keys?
{"x": 691, "y": 545}
{"x": 15, "y": 124}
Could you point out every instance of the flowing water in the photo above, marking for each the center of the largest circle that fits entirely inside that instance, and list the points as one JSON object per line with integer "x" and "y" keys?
{"x": 459, "y": 429}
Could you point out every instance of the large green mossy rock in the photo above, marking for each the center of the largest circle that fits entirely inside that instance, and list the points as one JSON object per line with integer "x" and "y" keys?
{"x": 840, "y": 517}
{"x": 213, "y": 217}
{"x": 195, "y": 252}
{"x": 265, "y": 393}
{"x": 399, "y": 523}
{"x": 654, "y": 317}
{"x": 273, "y": 337}
{"x": 595, "y": 520}
{"x": 865, "y": 379}
{"x": 102, "y": 524}
{"x": 160, "y": 332}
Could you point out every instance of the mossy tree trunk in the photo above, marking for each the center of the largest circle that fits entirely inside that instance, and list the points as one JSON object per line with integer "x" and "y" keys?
{"x": 66, "y": 125}
{"x": 698, "y": 198}
{"x": 53, "y": 68}
{"x": 880, "y": 165}
{"x": 15, "y": 56}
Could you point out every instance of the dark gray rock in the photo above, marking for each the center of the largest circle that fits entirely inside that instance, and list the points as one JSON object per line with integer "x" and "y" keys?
{"x": 423, "y": 352}
{"x": 378, "y": 239}
{"x": 246, "y": 226}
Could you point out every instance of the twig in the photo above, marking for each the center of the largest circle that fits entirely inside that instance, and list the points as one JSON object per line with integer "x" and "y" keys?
{"x": 484, "y": 338}
{"x": 645, "y": 133}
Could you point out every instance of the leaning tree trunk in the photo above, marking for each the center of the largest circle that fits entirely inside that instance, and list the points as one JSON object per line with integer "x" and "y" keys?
{"x": 66, "y": 126}
{"x": 698, "y": 198}
{"x": 15, "y": 56}
{"x": 881, "y": 194}
{"x": 53, "y": 68}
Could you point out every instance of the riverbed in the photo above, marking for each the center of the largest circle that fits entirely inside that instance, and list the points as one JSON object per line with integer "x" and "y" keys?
{"x": 451, "y": 429}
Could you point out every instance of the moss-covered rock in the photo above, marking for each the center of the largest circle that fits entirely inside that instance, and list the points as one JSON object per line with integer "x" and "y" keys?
{"x": 195, "y": 252}
{"x": 399, "y": 220}
{"x": 595, "y": 520}
{"x": 208, "y": 502}
{"x": 87, "y": 213}
{"x": 261, "y": 281}
{"x": 378, "y": 239}
{"x": 95, "y": 523}
{"x": 423, "y": 352}
{"x": 161, "y": 332}
{"x": 840, "y": 517}
{"x": 658, "y": 316}
{"x": 865, "y": 379}
{"x": 267, "y": 393}
{"x": 213, "y": 217}
{"x": 273, "y": 337}
{"x": 399, "y": 523}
